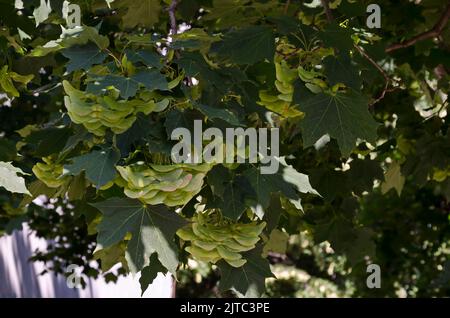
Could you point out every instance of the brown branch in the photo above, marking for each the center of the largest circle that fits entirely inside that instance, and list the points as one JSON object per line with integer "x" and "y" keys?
{"x": 375, "y": 64}
{"x": 173, "y": 21}
{"x": 434, "y": 32}
{"x": 327, "y": 9}
{"x": 387, "y": 79}
{"x": 286, "y": 6}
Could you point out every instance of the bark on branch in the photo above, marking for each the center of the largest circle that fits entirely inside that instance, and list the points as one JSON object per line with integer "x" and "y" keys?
{"x": 173, "y": 21}
{"x": 327, "y": 9}
{"x": 434, "y": 32}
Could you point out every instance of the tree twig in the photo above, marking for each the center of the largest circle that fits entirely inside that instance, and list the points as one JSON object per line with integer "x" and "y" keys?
{"x": 327, "y": 9}
{"x": 375, "y": 64}
{"x": 434, "y": 32}
{"x": 387, "y": 79}
{"x": 286, "y": 6}
{"x": 173, "y": 21}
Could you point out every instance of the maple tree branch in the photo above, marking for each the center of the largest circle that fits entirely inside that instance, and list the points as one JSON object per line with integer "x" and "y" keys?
{"x": 327, "y": 9}
{"x": 387, "y": 79}
{"x": 375, "y": 64}
{"x": 173, "y": 21}
{"x": 286, "y": 6}
{"x": 434, "y": 32}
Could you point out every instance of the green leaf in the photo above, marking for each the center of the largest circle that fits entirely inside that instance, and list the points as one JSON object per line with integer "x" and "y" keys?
{"x": 7, "y": 150}
{"x": 148, "y": 57}
{"x": 149, "y": 273}
{"x": 339, "y": 69}
{"x": 134, "y": 134}
{"x": 218, "y": 113}
{"x": 355, "y": 243}
{"x": 235, "y": 194}
{"x": 195, "y": 65}
{"x": 277, "y": 243}
{"x": 248, "y": 279}
{"x": 287, "y": 181}
{"x": 217, "y": 177}
{"x": 111, "y": 256}
{"x": 393, "y": 179}
{"x": 152, "y": 80}
{"x": 265, "y": 184}
{"x": 36, "y": 189}
{"x": 128, "y": 86}
{"x": 6, "y": 82}
{"x": 83, "y": 56}
{"x": 10, "y": 180}
{"x": 15, "y": 224}
{"x": 144, "y": 12}
{"x": 49, "y": 140}
{"x": 247, "y": 45}
{"x": 71, "y": 37}
{"x": 99, "y": 166}
{"x": 152, "y": 230}
{"x": 343, "y": 116}
{"x": 363, "y": 173}
{"x": 77, "y": 188}
{"x": 335, "y": 36}
{"x": 180, "y": 118}
{"x": 329, "y": 183}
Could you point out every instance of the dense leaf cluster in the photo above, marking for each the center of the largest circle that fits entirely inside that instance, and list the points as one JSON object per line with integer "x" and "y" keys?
{"x": 87, "y": 114}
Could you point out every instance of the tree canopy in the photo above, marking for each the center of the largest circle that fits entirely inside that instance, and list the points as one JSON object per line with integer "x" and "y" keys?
{"x": 87, "y": 112}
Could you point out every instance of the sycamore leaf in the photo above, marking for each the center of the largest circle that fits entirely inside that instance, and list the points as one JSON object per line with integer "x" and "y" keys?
{"x": 111, "y": 256}
{"x": 147, "y": 57}
{"x": 150, "y": 272}
{"x": 362, "y": 174}
{"x": 98, "y": 164}
{"x": 143, "y": 12}
{"x": 247, "y": 45}
{"x": 83, "y": 56}
{"x": 152, "y": 229}
{"x": 218, "y": 113}
{"x": 288, "y": 181}
{"x": 339, "y": 69}
{"x": 343, "y": 116}
{"x": 195, "y": 65}
{"x": 49, "y": 140}
{"x": 128, "y": 86}
{"x": 393, "y": 179}
{"x": 355, "y": 243}
{"x": 10, "y": 180}
{"x": 265, "y": 184}
{"x": 277, "y": 243}
{"x": 330, "y": 183}
{"x": 6, "y": 82}
{"x": 226, "y": 13}
{"x": 248, "y": 279}
{"x": 336, "y": 36}
{"x": 8, "y": 150}
{"x": 70, "y": 37}
{"x": 232, "y": 196}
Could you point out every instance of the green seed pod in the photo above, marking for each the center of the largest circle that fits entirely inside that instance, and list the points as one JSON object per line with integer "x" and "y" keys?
{"x": 172, "y": 185}
{"x": 281, "y": 103}
{"x": 213, "y": 238}
{"x": 50, "y": 173}
{"x": 100, "y": 113}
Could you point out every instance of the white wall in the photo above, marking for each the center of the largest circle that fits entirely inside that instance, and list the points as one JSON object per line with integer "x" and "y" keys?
{"x": 20, "y": 278}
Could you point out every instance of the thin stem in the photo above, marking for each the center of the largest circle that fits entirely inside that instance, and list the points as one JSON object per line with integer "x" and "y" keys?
{"x": 173, "y": 21}
{"x": 326, "y": 6}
